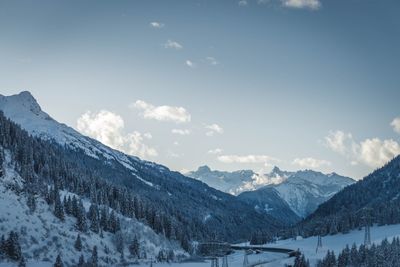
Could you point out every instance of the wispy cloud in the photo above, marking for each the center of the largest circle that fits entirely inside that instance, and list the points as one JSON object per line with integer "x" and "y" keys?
{"x": 264, "y": 159}
{"x": 310, "y": 162}
{"x": 173, "y": 45}
{"x": 212, "y": 61}
{"x": 162, "y": 113}
{"x": 396, "y": 124}
{"x": 309, "y": 4}
{"x": 190, "y": 63}
{"x": 215, "y": 151}
{"x": 214, "y": 128}
{"x": 157, "y": 25}
{"x": 243, "y": 3}
{"x": 108, "y": 128}
{"x": 181, "y": 131}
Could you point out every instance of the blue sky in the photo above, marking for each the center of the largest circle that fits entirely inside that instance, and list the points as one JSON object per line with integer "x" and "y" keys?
{"x": 232, "y": 84}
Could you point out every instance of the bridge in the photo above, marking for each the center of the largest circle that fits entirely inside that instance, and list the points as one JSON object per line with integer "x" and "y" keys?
{"x": 289, "y": 252}
{"x": 214, "y": 250}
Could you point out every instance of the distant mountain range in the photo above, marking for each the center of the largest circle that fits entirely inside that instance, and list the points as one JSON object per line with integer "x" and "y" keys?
{"x": 285, "y": 195}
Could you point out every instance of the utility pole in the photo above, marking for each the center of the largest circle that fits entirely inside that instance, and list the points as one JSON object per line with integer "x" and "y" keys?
{"x": 246, "y": 260}
{"x": 214, "y": 262}
{"x": 367, "y": 222}
{"x": 225, "y": 261}
{"x": 319, "y": 243}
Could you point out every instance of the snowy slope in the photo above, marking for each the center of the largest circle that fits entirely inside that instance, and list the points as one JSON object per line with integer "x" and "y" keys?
{"x": 24, "y": 110}
{"x": 336, "y": 242}
{"x": 43, "y": 236}
{"x": 305, "y": 190}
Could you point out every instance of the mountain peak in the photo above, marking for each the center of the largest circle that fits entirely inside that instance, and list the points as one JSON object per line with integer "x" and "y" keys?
{"x": 26, "y": 94}
{"x": 204, "y": 168}
{"x": 276, "y": 169}
{"x": 24, "y": 101}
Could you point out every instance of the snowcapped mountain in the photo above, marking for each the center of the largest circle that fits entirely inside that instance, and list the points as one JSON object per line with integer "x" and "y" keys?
{"x": 305, "y": 190}
{"x": 238, "y": 181}
{"x": 282, "y": 194}
{"x": 24, "y": 110}
{"x": 181, "y": 207}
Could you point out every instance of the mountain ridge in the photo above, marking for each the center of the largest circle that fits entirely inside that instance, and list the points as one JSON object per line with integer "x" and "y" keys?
{"x": 300, "y": 191}
{"x": 152, "y": 182}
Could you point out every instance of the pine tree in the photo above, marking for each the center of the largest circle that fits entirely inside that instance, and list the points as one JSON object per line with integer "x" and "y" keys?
{"x": 81, "y": 217}
{"x": 104, "y": 219}
{"x": 31, "y": 202}
{"x": 134, "y": 247}
{"x": 94, "y": 218}
{"x": 58, "y": 262}
{"x": 3, "y": 245}
{"x": 78, "y": 243}
{"x": 81, "y": 261}
{"x": 12, "y": 247}
{"x": 114, "y": 225}
{"x": 119, "y": 241}
{"x": 94, "y": 257}
{"x": 58, "y": 207}
{"x": 22, "y": 262}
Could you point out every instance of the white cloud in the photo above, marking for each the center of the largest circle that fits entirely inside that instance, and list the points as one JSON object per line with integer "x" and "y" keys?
{"x": 396, "y": 124}
{"x": 372, "y": 152}
{"x": 172, "y": 154}
{"x": 108, "y": 128}
{"x": 190, "y": 64}
{"x": 162, "y": 113}
{"x": 264, "y": 159}
{"x": 262, "y": 2}
{"x": 310, "y": 4}
{"x": 243, "y": 3}
{"x": 157, "y": 25}
{"x": 339, "y": 141}
{"x": 176, "y": 143}
{"x": 148, "y": 135}
{"x": 214, "y": 128}
{"x": 215, "y": 151}
{"x": 375, "y": 152}
{"x": 310, "y": 162}
{"x": 173, "y": 45}
{"x": 181, "y": 131}
{"x": 212, "y": 61}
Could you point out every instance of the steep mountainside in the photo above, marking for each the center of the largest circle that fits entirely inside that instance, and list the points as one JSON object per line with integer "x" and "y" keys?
{"x": 374, "y": 198}
{"x": 42, "y": 235}
{"x": 267, "y": 200}
{"x": 191, "y": 208}
{"x": 305, "y": 190}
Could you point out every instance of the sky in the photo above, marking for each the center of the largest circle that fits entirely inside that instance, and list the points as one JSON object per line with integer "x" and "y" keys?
{"x": 300, "y": 84}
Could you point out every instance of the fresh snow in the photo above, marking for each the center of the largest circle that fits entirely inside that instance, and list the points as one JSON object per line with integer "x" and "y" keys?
{"x": 302, "y": 191}
{"x": 43, "y": 236}
{"x": 307, "y": 246}
{"x": 24, "y": 110}
{"x": 335, "y": 243}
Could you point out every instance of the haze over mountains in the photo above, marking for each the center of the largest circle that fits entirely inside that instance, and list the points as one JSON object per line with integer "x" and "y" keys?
{"x": 283, "y": 194}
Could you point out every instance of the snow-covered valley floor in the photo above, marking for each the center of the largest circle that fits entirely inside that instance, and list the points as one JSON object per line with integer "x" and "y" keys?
{"x": 306, "y": 246}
